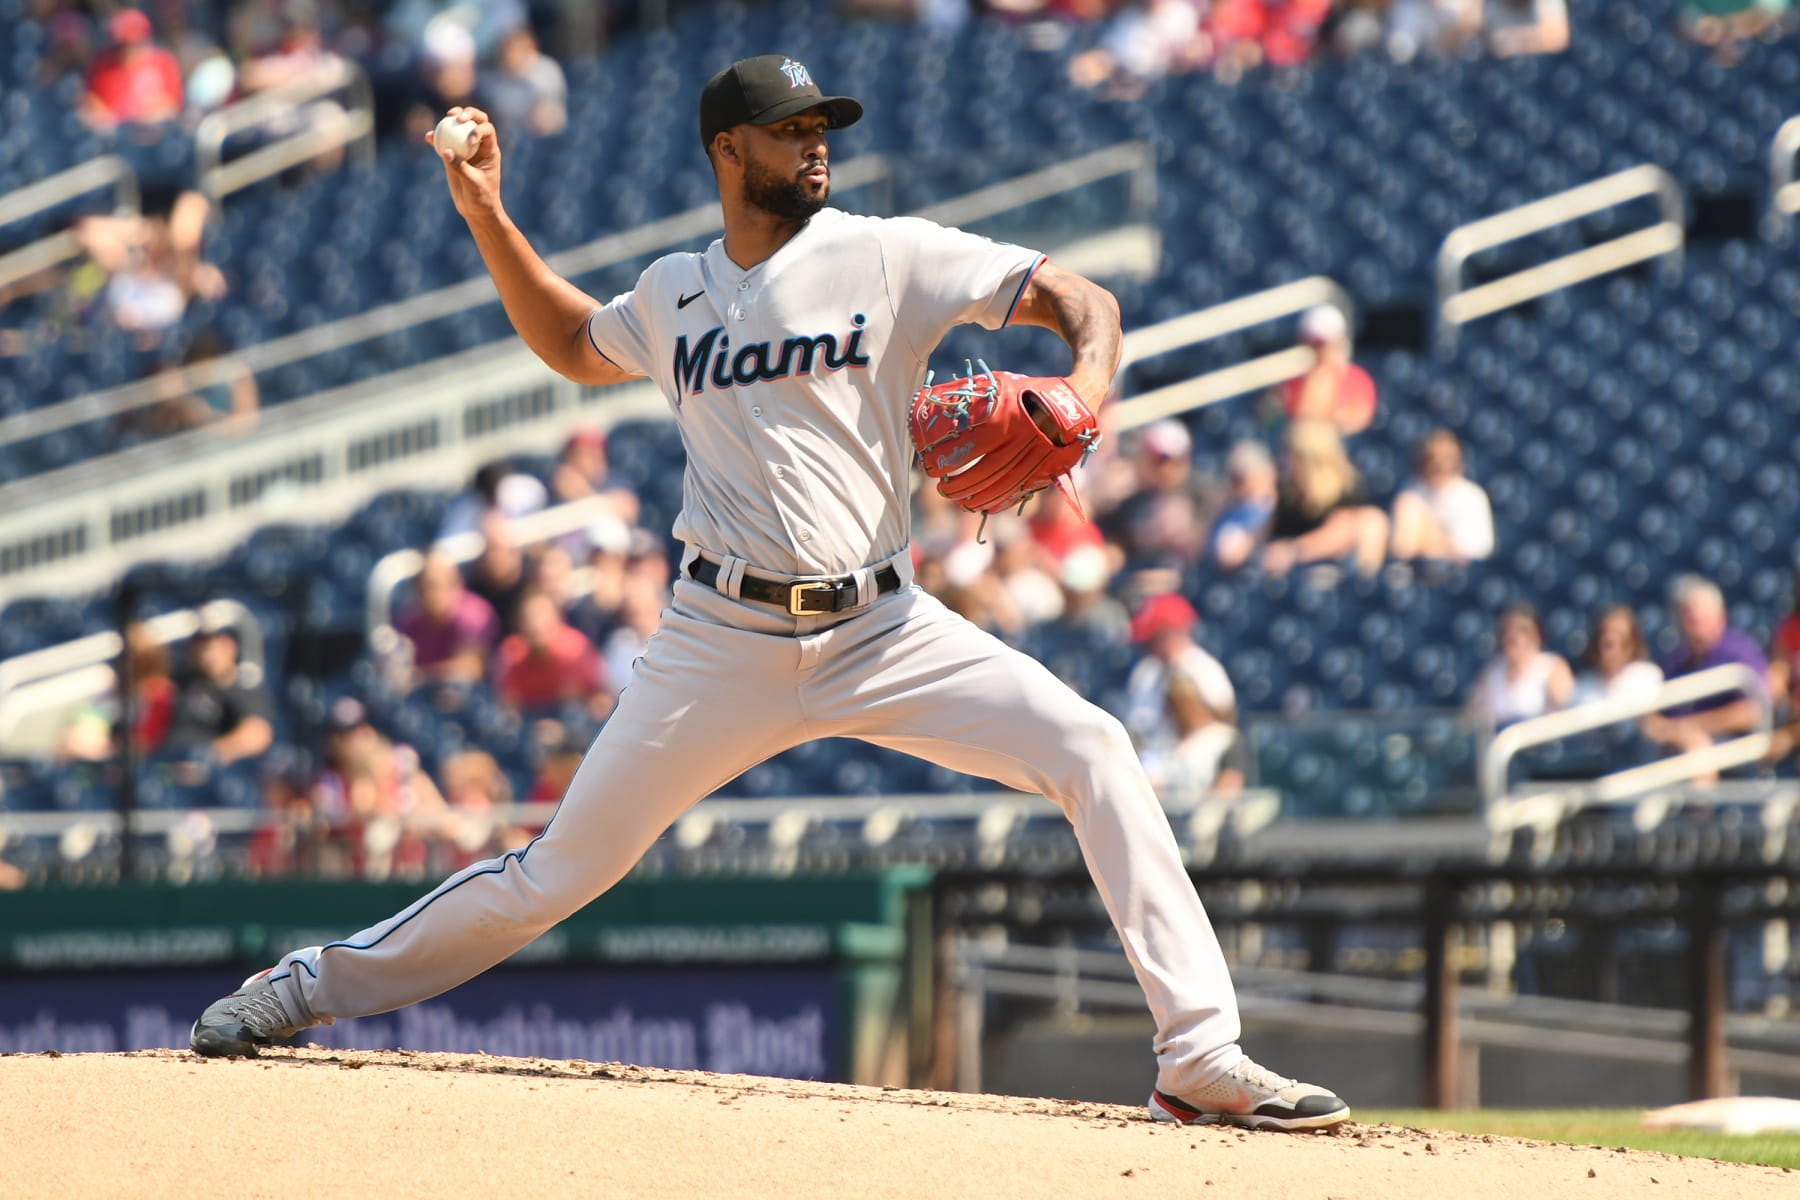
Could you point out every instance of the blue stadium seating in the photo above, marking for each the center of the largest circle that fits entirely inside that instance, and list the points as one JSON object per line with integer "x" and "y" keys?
{"x": 1626, "y": 429}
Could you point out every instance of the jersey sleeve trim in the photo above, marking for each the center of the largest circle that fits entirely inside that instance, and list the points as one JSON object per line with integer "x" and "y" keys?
{"x": 588, "y": 327}
{"x": 1023, "y": 284}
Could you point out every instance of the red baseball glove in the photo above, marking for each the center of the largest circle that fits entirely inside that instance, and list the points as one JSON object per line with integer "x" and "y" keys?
{"x": 992, "y": 440}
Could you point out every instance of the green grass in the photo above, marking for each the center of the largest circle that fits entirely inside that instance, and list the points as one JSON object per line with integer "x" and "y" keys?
{"x": 1599, "y": 1127}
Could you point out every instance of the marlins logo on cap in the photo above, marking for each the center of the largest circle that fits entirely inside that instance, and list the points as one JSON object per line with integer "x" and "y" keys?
{"x": 764, "y": 90}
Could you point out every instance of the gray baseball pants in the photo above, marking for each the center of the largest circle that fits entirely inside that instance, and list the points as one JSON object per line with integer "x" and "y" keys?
{"x": 725, "y": 684}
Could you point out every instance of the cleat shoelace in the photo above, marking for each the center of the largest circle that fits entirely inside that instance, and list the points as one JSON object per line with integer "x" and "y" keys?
{"x": 261, "y": 1013}
{"x": 1256, "y": 1074}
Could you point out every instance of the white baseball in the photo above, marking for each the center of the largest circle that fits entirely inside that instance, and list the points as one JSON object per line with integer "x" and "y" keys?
{"x": 453, "y": 135}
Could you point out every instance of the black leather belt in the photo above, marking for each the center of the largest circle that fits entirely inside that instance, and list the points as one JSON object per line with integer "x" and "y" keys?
{"x": 799, "y": 597}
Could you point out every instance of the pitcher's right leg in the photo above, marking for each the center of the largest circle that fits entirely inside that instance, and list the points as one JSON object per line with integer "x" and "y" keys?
{"x": 705, "y": 703}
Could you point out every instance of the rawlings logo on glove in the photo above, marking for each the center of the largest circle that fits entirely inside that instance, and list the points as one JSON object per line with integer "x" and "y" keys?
{"x": 992, "y": 440}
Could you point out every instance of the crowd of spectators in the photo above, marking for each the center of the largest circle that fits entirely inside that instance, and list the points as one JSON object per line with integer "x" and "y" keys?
{"x": 1144, "y": 40}
{"x": 141, "y": 71}
{"x": 1525, "y": 680}
{"x": 143, "y": 78}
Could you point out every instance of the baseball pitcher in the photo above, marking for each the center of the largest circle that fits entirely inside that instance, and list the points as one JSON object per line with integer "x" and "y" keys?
{"x": 792, "y": 352}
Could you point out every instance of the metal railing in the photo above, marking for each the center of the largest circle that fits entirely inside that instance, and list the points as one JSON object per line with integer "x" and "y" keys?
{"x": 1542, "y": 807}
{"x": 323, "y": 127}
{"x": 1251, "y": 375}
{"x": 1458, "y": 305}
{"x": 1137, "y": 160}
{"x": 396, "y": 568}
{"x": 109, "y": 170}
{"x": 194, "y": 493}
{"x": 665, "y": 233}
{"x": 82, "y": 669}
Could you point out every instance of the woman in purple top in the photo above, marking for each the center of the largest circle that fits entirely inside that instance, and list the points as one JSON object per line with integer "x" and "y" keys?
{"x": 452, "y": 630}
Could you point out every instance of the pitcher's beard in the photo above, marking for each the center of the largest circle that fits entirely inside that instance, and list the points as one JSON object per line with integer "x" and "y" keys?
{"x": 789, "y": 199}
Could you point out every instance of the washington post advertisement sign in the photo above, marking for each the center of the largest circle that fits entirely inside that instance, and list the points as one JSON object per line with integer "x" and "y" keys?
{"x": 783, "y": 1022}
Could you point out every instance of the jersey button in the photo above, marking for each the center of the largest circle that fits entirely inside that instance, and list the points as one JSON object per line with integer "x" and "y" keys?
{"x": 744, "y": 286}
{"x": 741, "y": 314}
{"x": 756, "y": 410}
{"x": 780, "y": 473}
{"x": 806, "y": 535}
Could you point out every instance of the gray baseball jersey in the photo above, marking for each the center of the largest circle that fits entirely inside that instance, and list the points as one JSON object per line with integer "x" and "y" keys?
{"x": 790, "y": 381}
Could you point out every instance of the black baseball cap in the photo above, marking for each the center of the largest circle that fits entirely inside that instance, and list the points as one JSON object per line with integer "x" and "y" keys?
{"x": 762, "y": 91}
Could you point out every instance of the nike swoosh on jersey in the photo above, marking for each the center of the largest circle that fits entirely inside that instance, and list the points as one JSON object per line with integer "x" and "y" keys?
{"x": 684, "y": 301}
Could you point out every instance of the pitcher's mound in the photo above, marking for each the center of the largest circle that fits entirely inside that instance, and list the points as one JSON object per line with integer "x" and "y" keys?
{"x": 337, "y": 1123}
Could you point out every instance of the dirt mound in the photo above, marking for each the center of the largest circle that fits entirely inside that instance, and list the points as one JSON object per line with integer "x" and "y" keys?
{"x": 334, "y": 1123}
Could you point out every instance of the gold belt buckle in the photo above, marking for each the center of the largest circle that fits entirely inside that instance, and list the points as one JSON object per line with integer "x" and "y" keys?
{"x": 797, "y": 590}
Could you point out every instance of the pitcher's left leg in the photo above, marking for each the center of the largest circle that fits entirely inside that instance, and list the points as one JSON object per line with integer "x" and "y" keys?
{"x": 922, "y": 680}
{"x": 931, "y": 684}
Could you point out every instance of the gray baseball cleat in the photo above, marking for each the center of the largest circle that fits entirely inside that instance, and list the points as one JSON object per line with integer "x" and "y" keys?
{"x": 1253, "y": 1097}
{"x": 250, "y": 1017}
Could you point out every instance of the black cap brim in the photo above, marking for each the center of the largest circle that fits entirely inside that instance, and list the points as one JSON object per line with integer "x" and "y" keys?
{"x": 841, "y": 111}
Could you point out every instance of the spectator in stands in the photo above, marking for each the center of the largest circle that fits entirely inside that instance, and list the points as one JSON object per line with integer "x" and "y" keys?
{"x": 1238, "y": 532}
{"x": 1142, "y": 43}
{"x": 295, "y": 841}
{"x": 561, "y": 760}
{"x": 1088, "y": 613}
{"x": 1254, "y": 33}
{"x": 476, "y": 824}
{"x": 135, "y": 81}
{"x": 645, "y": 595}
{"x": 1784, "y": 681}
{"x": 1442, "y": 513}
{"x": 1707, "y": 640}
{"x": 1431, "y": 27}
{"x": 198, "y": 396}
{"x": 1164, "y": 628}
{"x": 377, "y": 787}
{"x": 548, "y": 664}
{"x": 1322, "y": 513}
{"x": 210, "y": 72}
{"x": 151, "y": 263}
{"x": 1019, "y": 567}
{"x": 970, "y": 586}
{"x": 1514, "y": 27}
{"x": 296, "y": 54}
{"x": 1204, "y": 752}
{"x": 366, "y": 776}
{"x": 498, "y": 574}
{"x": 11, "y": 878}
{"x": 1523, "y": 680}
{"x": 495, "y": 486}
{"x": 1726, "y": 24}
{"x": 1355, "y": 27}
{"x": 451, "y": 630}
{"x": 1618, "y": 668}
{"x": 525, "y": 88}
{"x": 221, "y": 711}
{"x": 550, "y": 570}
{"x": 1334, "y": 389}
{"x": 446, "y": 76}
{"x": 596, "y": 613}
{"x": 1162, "y": 523}
{"x": 91, "y": 733}
{"x": 1058, "y": 527}
{"x": 582, "y": 471}
{"x": 69, "y": 50}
